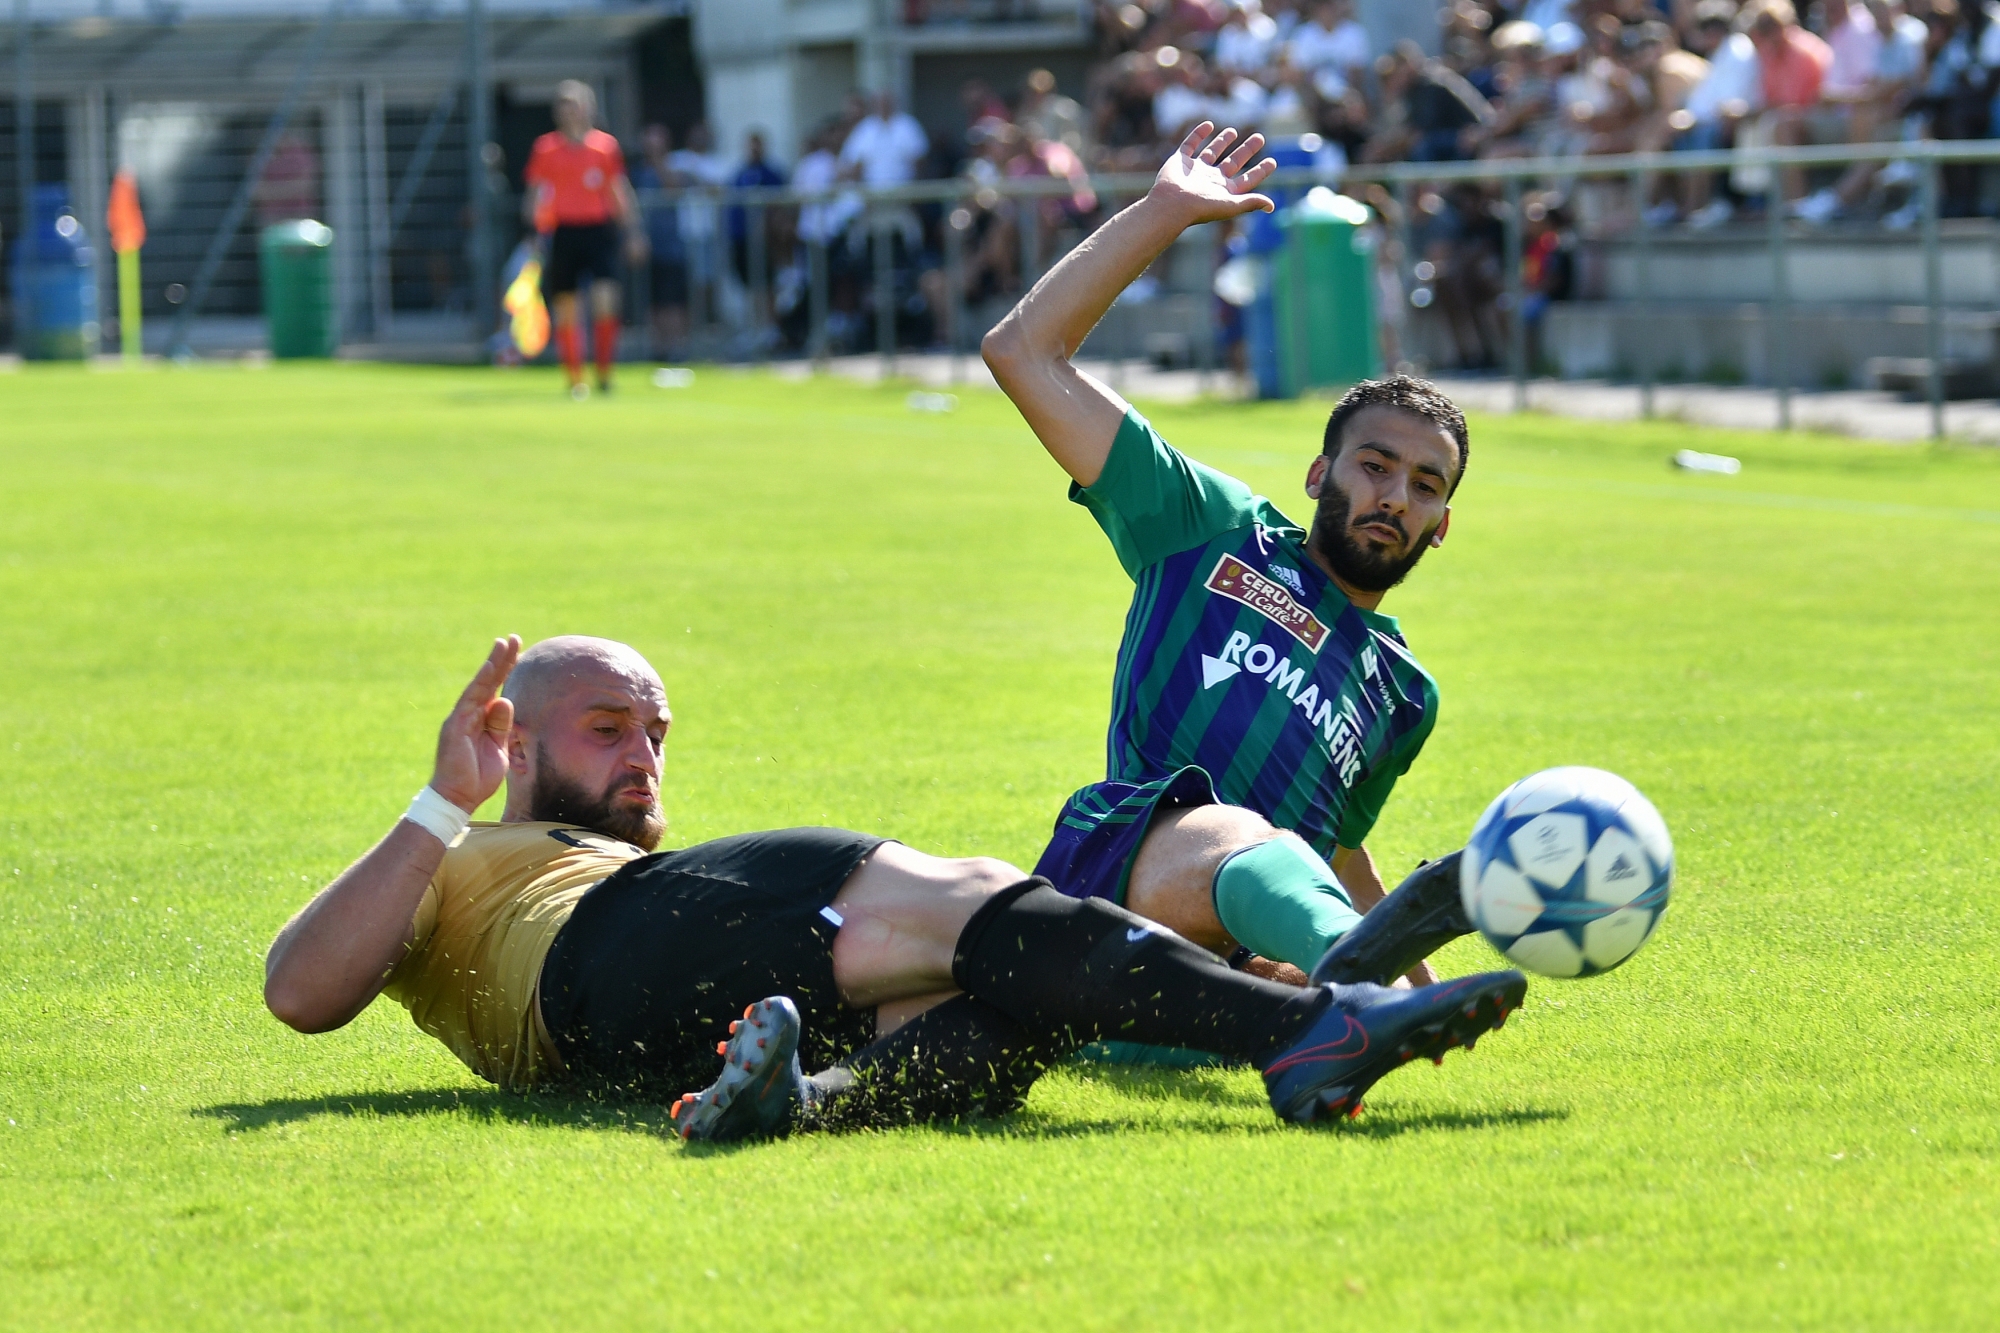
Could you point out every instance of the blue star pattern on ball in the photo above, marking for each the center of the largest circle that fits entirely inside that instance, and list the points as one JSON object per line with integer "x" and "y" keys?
{"x": 1568, "y": 871}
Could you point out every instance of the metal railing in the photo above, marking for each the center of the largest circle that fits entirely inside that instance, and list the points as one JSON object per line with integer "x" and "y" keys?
{"x": 856, "y": 284}
{"x": 887, "y": 228}
{"x": 1926, "y": 156}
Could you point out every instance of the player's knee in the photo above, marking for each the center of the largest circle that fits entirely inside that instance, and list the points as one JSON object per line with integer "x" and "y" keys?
{"x": 1211, "y": 833}
{"x": 986, "y": 875}
{"x": 1235, "y": 824}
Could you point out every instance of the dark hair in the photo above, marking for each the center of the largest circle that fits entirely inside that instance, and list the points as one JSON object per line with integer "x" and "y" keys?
{"x": 1404, "y": 393}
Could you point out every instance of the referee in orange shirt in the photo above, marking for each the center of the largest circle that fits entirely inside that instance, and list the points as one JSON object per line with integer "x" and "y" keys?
{"x": 578, "y": 196}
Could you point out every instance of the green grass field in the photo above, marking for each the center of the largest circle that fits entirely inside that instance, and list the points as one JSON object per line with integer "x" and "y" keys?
{"x": 236, "y": 603}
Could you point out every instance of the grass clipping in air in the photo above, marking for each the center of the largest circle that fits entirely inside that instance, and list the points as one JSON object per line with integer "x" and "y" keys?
{"x": 236, "y": 606}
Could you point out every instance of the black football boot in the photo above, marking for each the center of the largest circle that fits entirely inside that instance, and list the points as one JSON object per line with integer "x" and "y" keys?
{"x": 1402, "y": 930}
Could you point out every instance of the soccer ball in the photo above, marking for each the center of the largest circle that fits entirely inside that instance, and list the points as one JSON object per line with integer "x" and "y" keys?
{"x": 1568, "y": 871}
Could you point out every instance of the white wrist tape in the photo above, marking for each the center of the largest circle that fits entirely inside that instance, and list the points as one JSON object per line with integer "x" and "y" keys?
{"x": 438, "y": 817}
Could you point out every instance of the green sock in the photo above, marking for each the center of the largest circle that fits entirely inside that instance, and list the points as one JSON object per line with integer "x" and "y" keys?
{"x": 1281, "y": 900}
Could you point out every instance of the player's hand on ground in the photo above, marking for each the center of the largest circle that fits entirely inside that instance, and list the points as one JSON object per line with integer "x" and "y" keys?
{"x": 1212, "y": 176}
{"x": 472, "y": 743}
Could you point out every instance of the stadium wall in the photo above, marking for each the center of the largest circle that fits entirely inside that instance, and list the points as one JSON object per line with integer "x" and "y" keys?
{"x": 785, "y": 66}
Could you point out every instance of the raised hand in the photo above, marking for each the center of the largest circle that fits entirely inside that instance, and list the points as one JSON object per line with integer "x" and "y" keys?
{"x": 472, "y": 743}
{"x": 1076, "y": 418}
{"x": 1207, "y": 180}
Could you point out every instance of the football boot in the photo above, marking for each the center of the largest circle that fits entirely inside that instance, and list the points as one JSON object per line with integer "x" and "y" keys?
{"x": 762, "y": 1092}
{"x": 1366, "y": 1031}
{"x": 1424, "y": 913}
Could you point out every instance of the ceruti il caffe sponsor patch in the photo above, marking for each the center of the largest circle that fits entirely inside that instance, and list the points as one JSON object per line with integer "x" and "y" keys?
{"x": 1237, "y": 581}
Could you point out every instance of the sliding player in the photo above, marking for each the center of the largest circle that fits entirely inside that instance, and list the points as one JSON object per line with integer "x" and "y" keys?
{"x": 579, "y": 196}
{"x": 1258, "y": 688}
{"x": 552, "y": 945}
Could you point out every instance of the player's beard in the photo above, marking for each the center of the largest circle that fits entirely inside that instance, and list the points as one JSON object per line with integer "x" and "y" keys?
{"x": 1356, "y": 562}
{"x": 560, "y": 799}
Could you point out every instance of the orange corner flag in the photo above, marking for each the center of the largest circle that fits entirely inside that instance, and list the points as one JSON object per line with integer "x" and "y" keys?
{"x": 126, "y": 222}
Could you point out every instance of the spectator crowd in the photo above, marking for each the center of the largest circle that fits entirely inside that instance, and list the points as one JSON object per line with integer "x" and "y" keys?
{"x": 1540, "y": 78}
{"x": 1512, "y": 78}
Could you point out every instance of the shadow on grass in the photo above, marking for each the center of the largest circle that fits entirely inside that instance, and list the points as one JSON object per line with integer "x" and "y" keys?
{"x": 1386, "y": 1123}
{"x": 1210, "y": 1085}
{"x": 585, "y": 1113}
{"x": 1215, "y": 1086}
{"x": 1389, "y": 1123}
{"x": 578, "y": 1112}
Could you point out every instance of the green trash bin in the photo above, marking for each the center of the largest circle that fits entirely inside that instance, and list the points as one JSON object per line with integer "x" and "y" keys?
{"x": 295, "y": 260}
{"x": 1323, "y": 280}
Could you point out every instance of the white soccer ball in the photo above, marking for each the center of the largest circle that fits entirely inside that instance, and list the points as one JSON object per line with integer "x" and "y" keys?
{"x": 1568, "y": 871}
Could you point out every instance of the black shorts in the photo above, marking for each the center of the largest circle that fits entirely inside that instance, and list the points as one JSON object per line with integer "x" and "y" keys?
{"x": 646, "y": 975}
{"x": 577, "y": 252}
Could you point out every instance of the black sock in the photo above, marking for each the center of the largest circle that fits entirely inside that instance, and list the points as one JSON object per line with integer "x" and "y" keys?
{"x": 1097, "y": 972}
{"x": 961, "y": 1058}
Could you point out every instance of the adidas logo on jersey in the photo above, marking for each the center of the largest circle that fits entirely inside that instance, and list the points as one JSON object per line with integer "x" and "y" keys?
{"x": 1288, "y": 576}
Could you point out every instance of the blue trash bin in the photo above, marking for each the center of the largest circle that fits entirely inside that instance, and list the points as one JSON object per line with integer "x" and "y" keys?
{"x": 1260, "y": 334}
{"x": 54, "y": 283}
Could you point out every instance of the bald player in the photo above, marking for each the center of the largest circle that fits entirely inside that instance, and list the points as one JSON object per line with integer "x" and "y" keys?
{"x": 557, "y": 944}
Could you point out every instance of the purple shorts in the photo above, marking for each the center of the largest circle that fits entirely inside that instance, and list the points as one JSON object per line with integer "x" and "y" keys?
{"x": 1101, "y": 826}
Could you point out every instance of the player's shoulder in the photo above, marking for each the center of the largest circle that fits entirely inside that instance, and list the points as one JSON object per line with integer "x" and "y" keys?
{"x": 545, "y": 144}
{"x": 1139, "y": 446}
{"x": 603, "y": 142}
{"x": 1389, "y": 652}
{"x": 1276, "y": 526}
{"x": 1398, "y": 650}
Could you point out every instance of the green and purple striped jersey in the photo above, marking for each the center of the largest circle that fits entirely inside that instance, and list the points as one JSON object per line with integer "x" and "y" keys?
{"x": 1241, "y": 657}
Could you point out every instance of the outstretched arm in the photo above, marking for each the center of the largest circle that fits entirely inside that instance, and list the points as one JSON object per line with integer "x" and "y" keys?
{"x": 1073, "y": 415}
{"x": 331, "y": 959}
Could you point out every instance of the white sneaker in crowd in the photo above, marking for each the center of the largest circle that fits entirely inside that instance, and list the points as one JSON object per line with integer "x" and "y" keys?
{"x": 1712, "y": 215}
{"x": 1902, "y": 171}
{"x": 1817, "y": 208}
{"x": 1904, "y": 218}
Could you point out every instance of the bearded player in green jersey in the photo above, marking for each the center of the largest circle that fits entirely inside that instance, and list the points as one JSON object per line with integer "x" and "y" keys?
{"x": 1263, "y": 708}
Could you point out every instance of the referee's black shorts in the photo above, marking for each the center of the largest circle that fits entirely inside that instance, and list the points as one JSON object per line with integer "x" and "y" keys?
{"x": 577, "y": 254}
{"x": 646, "y": 975}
